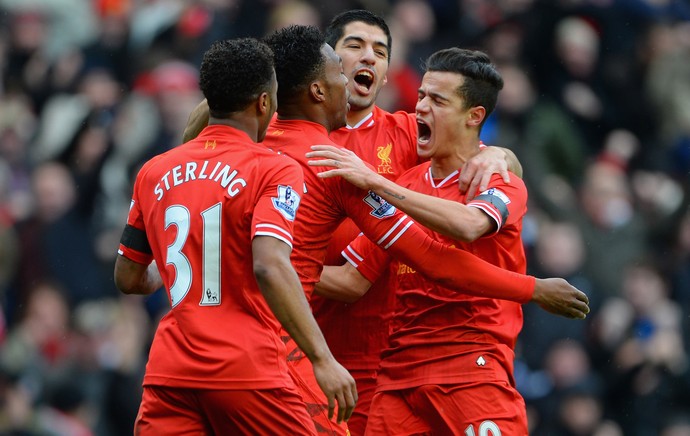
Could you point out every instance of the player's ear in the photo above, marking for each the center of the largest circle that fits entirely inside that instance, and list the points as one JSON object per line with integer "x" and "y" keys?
{"x": 476, "y": 116}
{"x": 385, "y": 79}
{"x": 317, "y": 91}
{"x": 263, "y": 103}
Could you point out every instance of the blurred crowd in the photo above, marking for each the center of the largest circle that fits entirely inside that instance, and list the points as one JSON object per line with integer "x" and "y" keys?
{"x": 596, "y": 106}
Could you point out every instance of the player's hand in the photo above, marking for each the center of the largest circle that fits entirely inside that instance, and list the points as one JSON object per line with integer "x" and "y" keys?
{"x": 477, "y": 172}
{"x": 345, "y": 164}
{"x": 559, "y": 297}
{"x": 338, "y": 385}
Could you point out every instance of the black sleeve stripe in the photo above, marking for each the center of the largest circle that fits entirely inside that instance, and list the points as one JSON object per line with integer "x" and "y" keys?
{"x": 135, "y": 239}
{"x": 497, "y": 203}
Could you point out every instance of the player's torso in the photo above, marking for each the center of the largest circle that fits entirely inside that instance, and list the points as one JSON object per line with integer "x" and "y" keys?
{"x": 318, "y": 215}
{"x": 387, "y": 142}
{"x": 199, "y": 205}
{"x": 424, "y": 309}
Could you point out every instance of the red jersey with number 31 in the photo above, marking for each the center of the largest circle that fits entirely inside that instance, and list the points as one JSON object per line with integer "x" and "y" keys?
{"x": 200, "y": 205}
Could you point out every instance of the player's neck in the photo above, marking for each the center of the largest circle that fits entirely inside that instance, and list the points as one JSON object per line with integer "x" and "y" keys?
{"x": 354, "y": 117}
{"x": 246, "y": 124}
{"x": 304, "y": 112}
{"x": 444, "y": 165}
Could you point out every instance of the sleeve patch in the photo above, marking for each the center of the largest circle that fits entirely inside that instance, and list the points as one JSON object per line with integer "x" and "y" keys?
{"x": 497, "y": 199}
{"x": 287, "y": 202}
{"x": 135, "y": 239}
{"x": 381, "y": 208}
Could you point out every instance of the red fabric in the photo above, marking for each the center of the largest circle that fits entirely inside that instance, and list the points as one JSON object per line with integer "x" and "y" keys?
{"x": 222, "y": 412}
{"x": 387, "y": 141}
{"x": 201, "y": 201}
{"x": 437, "y": 333}
{"x": 467, "y": 409}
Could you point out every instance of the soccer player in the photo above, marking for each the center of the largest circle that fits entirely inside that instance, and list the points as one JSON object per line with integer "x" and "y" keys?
{"x": 212, "y": 220}
{"x": 312, "y": 101}
{"x": 447, "y": 354}
{"x": 387, "y": 141}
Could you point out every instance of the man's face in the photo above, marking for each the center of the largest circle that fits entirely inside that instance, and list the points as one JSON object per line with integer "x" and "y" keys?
{"x": 365, "y": 53}
{"x": 336, "y": 89}
{"x": 441, "y": 117}
{"x": 273, "y": 105}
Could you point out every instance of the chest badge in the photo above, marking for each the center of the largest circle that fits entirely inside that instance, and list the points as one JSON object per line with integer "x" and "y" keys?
{"x": 384, "y": 155}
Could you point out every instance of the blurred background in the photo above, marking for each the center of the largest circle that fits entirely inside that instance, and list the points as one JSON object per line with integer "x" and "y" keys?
{"x": 596, "y": 105}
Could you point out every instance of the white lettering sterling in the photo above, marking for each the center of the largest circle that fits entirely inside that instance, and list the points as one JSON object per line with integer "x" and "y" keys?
{"x": 222, "y": 174}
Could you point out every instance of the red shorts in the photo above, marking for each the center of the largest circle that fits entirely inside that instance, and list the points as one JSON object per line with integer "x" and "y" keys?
{"x": 302, "y": 373}
{"x": 366, "y": 387}
{"x": 468, "y": 409}
{"x": 197, "y": 411}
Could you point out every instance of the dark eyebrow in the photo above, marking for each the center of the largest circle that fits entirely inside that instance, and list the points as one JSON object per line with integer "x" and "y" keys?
{"x": 361, "y": 40}
{"x": 434, "y": 95}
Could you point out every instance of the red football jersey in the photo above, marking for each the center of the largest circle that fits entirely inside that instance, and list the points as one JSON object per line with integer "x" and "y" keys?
{"x": 439, "y": 336}
{"x": 387, "y": 141}
{"x": 200, "y": 205}
{"x": 326, "y": 202}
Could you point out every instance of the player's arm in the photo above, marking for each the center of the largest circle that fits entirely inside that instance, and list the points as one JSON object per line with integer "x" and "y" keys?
{"x": 136, "y": 278}
{"x": 135, "y": 270}
{"x": 449, "y": 218}
{"x": 477, "y": 171}
{"x": 343, "y": 283}
{"x": 365, "y": 262}
{"x": 450, "y": 267}
{"x": 196, "y": 122}
{"x": 283, "y": 292}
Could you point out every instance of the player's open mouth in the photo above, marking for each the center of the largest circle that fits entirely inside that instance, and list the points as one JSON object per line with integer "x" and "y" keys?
{"x": 423, "y": 132}
{"x": 364, "y": 79}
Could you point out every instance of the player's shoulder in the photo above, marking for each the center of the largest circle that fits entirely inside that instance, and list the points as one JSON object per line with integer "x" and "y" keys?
{"x": 397, "y": 118}
{"x": 516, "y": 183}
{"x": 271, "y": 158}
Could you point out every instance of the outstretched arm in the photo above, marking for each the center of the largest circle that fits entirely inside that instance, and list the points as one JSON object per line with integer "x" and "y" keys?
{"x": 449, "y": 218}
{"x": 283, "y": 292}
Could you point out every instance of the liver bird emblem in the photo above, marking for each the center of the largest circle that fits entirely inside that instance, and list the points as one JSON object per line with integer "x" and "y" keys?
{"x": 384, "y": 153}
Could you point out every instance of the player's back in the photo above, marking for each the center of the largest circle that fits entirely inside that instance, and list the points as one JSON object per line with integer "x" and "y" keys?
{"x": 199, "y": 204}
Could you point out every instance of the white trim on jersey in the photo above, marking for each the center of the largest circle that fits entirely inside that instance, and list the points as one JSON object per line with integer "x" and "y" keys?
{"x": 274, "y": 227}
{"x": 274, "y": 235}
{"x": 359, "y": 124}
{"x": 352, "y": 256}
{"x": 492, "y": 212}
{"x": 442, "y": 182}
{"x": 387, "y": 239}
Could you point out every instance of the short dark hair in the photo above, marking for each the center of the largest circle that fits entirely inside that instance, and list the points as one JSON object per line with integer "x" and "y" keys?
{"x": 336, "y": 27}
{"x": 482, "y": 81}
{"x": 298, "y": 58}
{"x": 234, "y": 73}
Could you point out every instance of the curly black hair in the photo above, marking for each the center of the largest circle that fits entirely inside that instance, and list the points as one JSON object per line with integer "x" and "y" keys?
{"x": 336, "y": 28}
{"x": 482, "y": 81}
{"x": 234, "y": 73}
{"x": 298, "y": 58}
